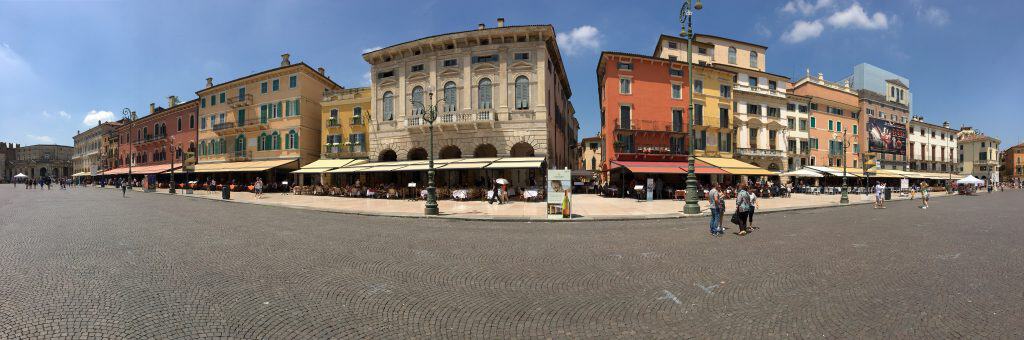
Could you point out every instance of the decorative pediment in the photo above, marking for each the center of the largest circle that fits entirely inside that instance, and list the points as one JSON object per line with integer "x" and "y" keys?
{"x": 449, "y": 73}
{"x": 417, "y": 76}
{"x": 521, "y": 66}
{"x": 485, "y": 68}
{"x": 387, "y": 83}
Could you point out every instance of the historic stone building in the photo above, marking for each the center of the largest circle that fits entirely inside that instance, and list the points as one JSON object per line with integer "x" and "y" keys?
{"x": 834, "y": 109}
{"x": 90, "y": 157}
{"x": 979, "y": 154}
{"x": 7, "y": 153}
{"x": 499, "y": 92}
{"x": 343, "y": 130}
{"x": 931, "y": 147}
{"x": 44, "y": 160}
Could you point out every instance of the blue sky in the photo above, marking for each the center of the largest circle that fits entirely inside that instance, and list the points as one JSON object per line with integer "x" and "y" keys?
{"x": 65, "y": 64}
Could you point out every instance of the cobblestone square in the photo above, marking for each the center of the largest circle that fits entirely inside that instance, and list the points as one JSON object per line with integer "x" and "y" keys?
{"x": 87, "y": 263}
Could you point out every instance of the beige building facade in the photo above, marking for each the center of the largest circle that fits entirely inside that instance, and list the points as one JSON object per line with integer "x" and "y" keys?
{"x": 500, "y": 92}
{"x": 89, "y": 156}
{"x": 979, "y": 154}
{"x": 931, "y": 147}
{"x": 43, "y": 161}
{"x": 274, "y": 115}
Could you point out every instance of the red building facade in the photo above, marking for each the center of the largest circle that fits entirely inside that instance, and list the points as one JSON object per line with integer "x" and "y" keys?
{"x": 152, "y": 142}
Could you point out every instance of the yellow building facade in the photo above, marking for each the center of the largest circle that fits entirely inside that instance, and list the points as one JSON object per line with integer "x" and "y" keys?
{"x": 712, "y": 97}
{"x": 344, "y": 116}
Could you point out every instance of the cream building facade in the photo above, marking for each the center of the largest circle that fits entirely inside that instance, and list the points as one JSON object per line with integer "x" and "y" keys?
{"x": 797, "y": 118}
{"x": 274, "y": 115}
{"x": 979, "y": 154}
{"x": 931, "y": 147}
{"x": 43, "y": 160}
{"x": 499, "y": 92}
{"x": 90, "y": 155}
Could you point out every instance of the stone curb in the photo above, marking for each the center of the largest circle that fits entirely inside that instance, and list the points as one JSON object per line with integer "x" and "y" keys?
{"x": 703, "y": 214}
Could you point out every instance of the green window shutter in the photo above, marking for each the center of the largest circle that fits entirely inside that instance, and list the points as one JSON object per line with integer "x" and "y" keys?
{"x": 279, "y": 109}
{"x": 296, "y": 110}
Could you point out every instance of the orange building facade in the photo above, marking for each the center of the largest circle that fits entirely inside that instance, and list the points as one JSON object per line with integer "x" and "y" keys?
{"x": 643, "y": 108}
{"x": 834, "y": 109}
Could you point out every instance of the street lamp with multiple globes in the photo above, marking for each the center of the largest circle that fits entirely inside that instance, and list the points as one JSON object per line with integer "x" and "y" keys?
{"x": 429, "y": 115}
{"x": 686, "y": 19}
{"x": 845, "y": 198}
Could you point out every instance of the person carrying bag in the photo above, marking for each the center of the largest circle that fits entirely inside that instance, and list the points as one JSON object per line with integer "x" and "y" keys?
{"x": 742, "y": 209}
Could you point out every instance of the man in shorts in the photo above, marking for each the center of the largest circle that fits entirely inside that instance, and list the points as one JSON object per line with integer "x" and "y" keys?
{"x": 879, "y": 191}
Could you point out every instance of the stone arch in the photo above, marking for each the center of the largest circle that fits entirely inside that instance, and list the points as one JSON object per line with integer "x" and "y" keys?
{"x": 417, "y": 154}
{"x": 450, "y": 152}
{"x": 485, "y": 150}
{"x": 387, "y": 156}
{"x": 522, "y": 149}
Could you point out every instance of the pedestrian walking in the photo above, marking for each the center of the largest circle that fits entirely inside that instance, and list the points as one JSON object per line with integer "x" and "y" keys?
{"x": 259, "y": 187}
{"x": 879, "y": 190}
{"x": 742, "y": 207}
{"x": 924, "y": 195}
{"x": 495, "y": 196}
{"x": 715, "y": 203}
{"x": 124, "y": 188}
{"x": 750, "y": 213}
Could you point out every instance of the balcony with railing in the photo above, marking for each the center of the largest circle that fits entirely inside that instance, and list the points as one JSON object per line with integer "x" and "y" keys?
{"x": 227, "y": 128}
{"x": 759, "y": 152}
{"x": 463, "y": 118}
{"x": 650, "y": 126}
{"x": 338, "y": 151}
{"x": 240, "y": 101}
{"x": 781, "y": 93}
{"x": 333, "y": 122}
{"x": 150, "y": 139}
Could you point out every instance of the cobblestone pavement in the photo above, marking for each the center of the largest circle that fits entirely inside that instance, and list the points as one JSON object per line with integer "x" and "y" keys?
{"x": 87, "y": 263}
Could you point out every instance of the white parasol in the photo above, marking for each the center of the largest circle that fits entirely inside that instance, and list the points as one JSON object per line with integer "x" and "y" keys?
{"x": 501, "y": 181}
{"x": 20, "y": 175}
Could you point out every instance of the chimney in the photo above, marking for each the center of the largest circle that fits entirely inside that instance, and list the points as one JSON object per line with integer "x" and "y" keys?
{"x": 821, "y": 77}
{"x": 501, "y": 22}
{"x": 209, "y": 82}
{"x": 172, "y": 101}
{"x": 152, "y": 108}
{"x": 480, "y": 26}
{"x": 320, "y": 70}
{"x": 284, "y": 60}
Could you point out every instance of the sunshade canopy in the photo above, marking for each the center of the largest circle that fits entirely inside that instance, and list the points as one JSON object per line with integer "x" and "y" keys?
{"x": 251, "y": 166}
{"x": 803, "y": 173}
{"x": 737, "y": 167}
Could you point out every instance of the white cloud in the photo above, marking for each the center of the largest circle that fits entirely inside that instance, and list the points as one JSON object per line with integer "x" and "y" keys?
{"x": 12, "y": 64}
{"x": 934, "y": 15}
{"x": 579, "y": 39}
{"x": 40, "y": 139}
{"x": 804, "y": 7}
{"x": 64, "y": 115}
{"x": 371, "y": 49}
{"x": 94, "y": 117}
{"x": 803, "y": 30}
{"x": 47, "y": 114}
{"x": 366, "y": 78}
{"x": 763, "y": 30}
{"x": 856, "y": 17}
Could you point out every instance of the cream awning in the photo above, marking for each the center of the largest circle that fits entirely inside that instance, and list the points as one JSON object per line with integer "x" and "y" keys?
{"x": 737, "y": 167}
{"x": 80, "y": 174}
{"x": 323, "y": 165}
{"x": 464, "y": 166}
{"x": 251, "y": 166}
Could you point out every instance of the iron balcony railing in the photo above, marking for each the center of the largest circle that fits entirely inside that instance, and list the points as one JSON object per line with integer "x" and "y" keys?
{"x": 650, "y": 125}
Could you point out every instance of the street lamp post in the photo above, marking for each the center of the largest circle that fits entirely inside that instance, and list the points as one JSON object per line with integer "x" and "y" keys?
{"x": 429, "y": 115}
{"x": 174, "y": 153}
{"x": 130, "y": 116}
{"x": 845, "y": 197}
{"x": 686, "y": 19}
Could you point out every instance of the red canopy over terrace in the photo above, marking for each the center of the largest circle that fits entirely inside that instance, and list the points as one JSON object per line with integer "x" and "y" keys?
{"x": 700, "y": 167}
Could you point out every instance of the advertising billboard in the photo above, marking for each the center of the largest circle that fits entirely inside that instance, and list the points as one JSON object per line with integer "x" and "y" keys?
{"x": 887, "y": 137}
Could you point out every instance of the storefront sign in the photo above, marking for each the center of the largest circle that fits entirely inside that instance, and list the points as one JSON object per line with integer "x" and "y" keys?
{"x": 887, "y": 137}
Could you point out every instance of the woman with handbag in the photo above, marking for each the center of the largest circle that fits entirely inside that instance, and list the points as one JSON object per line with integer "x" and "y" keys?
{"x": 742, "y": 209}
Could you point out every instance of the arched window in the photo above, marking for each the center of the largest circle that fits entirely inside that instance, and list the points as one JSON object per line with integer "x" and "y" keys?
{"x": 291, "y": 140}
{"x": 484, "y": 94}
{"x": 179, "y": 123}
{"x": 753, "y": 59}
{"x": 389, "y": 106}
{"x": 191, "y": 121}
{"x": 261, "y": 142}
{"x": 275, "y": 141}
{"x": 732, "y": 55}
{"x": 522, "y": 149}
{"x": 202, "y": 148}
{"x": 240, "y": 144}
{"x": 450, "y": 100}
{"x": 417, "y": 101}
{"x": 387, "y": 156}
{"x": 522, "y": 93}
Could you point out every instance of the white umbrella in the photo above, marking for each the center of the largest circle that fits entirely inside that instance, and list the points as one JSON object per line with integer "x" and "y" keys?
{"x": 803, "y": 173}
{"x": 20, "y": 175}
{"x": 970, "y": 180}
{"x": 501, "y": 181}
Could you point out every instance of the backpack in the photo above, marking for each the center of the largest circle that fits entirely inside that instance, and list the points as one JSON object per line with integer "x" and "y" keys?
{"x": 743, "y": 201}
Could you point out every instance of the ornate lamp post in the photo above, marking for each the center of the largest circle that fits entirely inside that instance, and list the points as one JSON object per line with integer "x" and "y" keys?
{"x": 429, "y": 115}
{"x": 130, "y": 116}
{"x": 845, "y": 198}
{"x": 686, "y": 19}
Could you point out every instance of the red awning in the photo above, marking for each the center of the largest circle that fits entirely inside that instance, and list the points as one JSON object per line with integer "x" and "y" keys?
{"x": 699, "y": 167}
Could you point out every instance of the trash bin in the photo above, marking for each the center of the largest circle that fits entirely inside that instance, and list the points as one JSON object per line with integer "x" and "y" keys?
{"x": 225, "y": 193}
{"x": 888, "y": 193}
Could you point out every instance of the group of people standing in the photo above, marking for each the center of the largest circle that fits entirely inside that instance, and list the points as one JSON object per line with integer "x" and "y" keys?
{"x": 47, "y": 182}
{"x": 746, "y": 204}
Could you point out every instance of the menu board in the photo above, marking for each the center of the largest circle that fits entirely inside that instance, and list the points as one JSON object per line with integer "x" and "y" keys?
{"x": 559, "y": 194}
